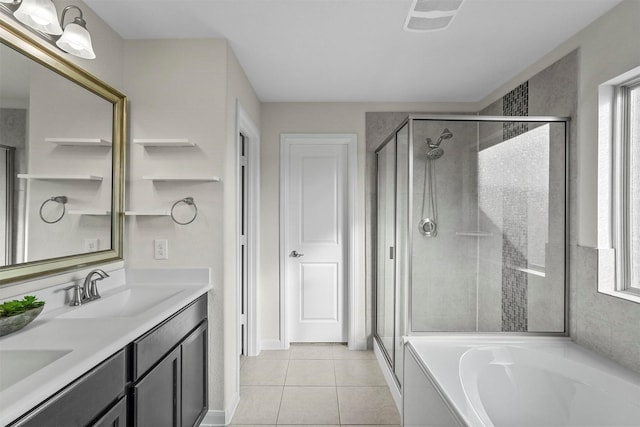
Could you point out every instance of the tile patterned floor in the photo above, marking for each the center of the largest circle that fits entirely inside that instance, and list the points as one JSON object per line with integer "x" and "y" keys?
{"x": 314, "y": 385}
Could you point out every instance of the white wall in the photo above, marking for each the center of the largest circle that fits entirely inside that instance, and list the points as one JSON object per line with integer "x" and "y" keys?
{"x": 189, "y": 89}
{"x": 177, "y": 90}
{"x": 280, "y": 118}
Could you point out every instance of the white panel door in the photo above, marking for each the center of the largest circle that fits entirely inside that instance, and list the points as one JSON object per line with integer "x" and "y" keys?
{"x": 316, "y": 240}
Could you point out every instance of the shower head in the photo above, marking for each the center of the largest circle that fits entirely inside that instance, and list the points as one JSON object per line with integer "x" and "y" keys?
{"x": 431, "y": 144}
{"x": 435, "y": 153}
{"x": 446, "y": 134}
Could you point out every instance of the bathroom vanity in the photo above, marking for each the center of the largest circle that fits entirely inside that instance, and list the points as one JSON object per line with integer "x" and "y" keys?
{"x": 135, "y": 357}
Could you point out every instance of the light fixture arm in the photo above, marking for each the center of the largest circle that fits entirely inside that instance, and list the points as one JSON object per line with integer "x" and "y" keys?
{"x": 77, "y": 20}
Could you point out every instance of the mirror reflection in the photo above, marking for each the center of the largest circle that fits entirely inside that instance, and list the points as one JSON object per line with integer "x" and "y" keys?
{"x": 55, "y": 164}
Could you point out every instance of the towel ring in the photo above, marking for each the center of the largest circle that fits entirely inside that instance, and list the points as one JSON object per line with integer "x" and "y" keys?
{"x": 187, "y": 201}
{"x": 58, "y": 199}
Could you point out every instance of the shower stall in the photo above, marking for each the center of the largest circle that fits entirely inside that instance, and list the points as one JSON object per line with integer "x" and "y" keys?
{"x": 470, "y": 228}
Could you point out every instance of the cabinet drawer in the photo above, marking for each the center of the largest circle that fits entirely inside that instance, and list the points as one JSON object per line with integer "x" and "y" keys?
{"x": 82, "y": 400}
{"x": 151, "y": 347}
{"x": 115, "y": 417}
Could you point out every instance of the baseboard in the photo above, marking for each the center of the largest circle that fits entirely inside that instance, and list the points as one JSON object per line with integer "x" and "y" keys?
{"x": 213, "y": 418}
{"x": 388, "y": 376}
{"x": 359, "y": 344}
{"x": 271, "y": 345}
{"x": 221, "y": 418}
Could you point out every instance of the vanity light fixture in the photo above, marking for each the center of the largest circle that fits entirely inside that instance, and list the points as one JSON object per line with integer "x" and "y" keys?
{"x": 75, "y": 39}
{"x": 431, "y": 15}
{"x": 42, "y": 16}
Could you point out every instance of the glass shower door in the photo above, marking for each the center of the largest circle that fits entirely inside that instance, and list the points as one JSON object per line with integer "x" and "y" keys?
{"x": 385, "y": 247}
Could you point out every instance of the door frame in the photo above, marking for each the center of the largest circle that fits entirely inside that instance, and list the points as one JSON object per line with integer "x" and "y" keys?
{"x": 246, "y": 127}
{"x": 286, "y": 142}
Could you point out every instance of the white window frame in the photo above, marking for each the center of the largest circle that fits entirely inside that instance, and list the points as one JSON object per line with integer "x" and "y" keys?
{"x": 613, "y": 187}
{"x": 622, "y": 186}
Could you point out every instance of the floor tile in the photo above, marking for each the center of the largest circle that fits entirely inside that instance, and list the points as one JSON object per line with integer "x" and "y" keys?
{"x": 263, "y": 372}
{"x": 358, "y": 373}
{"x": 367, "y": 405}
{"x": 341, "y": 351}
{"x": 309, "y": 405}
{"x": 311, "y": 351}
{"x": 274, "y": 354}
{"x": 258, "y": 405}
{"x": 311, "y": 372}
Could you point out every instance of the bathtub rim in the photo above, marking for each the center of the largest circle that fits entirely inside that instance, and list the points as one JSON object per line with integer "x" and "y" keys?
{"x": 450, "y": 389}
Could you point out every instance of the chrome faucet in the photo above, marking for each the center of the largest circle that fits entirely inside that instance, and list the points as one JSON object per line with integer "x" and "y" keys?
{"x": 90, "y": 287}
{"x": 89, "y": 290}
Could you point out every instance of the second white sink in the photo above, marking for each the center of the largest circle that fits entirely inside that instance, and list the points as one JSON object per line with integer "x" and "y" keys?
{"x": 129, "y": 302}
{"x": 18, "y": 364}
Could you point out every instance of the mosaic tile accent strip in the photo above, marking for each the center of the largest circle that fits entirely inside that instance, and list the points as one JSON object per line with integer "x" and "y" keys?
{"x": 515, "y": 219}
{"x": 514, "y": 255}
{"x": 515, "y": 103}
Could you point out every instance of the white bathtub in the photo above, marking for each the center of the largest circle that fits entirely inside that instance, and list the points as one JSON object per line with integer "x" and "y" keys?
{"x": 514, "y": 382}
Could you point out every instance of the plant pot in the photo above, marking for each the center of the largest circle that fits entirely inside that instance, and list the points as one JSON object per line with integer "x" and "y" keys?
{"x": 12, "y": 324}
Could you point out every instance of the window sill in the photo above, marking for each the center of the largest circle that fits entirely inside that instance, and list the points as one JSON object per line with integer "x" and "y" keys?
{"x": 627, "y": 295}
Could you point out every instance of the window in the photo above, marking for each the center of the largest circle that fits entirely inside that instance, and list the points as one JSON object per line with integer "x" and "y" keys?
{"x": 626, "y": 184}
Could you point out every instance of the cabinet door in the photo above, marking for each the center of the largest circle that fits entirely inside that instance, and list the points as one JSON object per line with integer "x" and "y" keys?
{"x": 157, "y": 395}
{"x": 194, "y": 377}
{"x": 116, "y": 417}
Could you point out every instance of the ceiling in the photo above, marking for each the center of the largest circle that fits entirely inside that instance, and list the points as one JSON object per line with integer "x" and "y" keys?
{"x": 356, "y": 50}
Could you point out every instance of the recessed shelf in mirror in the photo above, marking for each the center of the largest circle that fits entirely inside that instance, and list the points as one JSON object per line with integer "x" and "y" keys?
{"x": 59, "y": 177}
{"x": 80, "y": 142}
{"x": 182, "y": 178}
{"x": 164, "y": 142}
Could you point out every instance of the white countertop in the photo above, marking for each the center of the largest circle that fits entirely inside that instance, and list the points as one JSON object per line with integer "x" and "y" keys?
{"x": 90, "y": 340}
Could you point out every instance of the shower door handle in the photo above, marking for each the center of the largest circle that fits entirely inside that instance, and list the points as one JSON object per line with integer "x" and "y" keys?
{"x": 295, "y": 254}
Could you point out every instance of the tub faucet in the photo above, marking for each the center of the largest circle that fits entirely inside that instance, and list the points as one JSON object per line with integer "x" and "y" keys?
{"x": 90, "y": 288}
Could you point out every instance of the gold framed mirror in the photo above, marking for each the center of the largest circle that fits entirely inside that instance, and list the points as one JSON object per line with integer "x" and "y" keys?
{"x": 67, "y": 212}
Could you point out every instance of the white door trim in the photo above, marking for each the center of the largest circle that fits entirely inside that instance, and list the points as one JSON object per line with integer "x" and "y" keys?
{"x": 350, "y": 140}
{"x": 245, "y": 125}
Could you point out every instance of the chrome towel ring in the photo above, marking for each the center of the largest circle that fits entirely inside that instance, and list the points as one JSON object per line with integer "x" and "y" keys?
{"x": 58, "y": 199}
{"x": 187, "y": 201}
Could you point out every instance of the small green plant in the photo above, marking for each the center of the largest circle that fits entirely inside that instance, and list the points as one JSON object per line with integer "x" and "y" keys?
{"x": 15, "y": 307}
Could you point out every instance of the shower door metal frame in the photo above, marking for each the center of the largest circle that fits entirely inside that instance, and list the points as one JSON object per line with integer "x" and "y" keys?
{"x": 10, "y": 164}
{"x": 392, "y": 137}
{"x": 470, "y": 118}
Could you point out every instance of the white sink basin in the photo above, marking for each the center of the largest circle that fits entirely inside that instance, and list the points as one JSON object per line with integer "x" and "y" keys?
{"x": 15, "y": 365}
{"x": 129, "y": 302}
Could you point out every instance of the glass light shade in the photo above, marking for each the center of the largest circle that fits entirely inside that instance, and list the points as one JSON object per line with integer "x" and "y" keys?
{"x": 76, "y": 40}
{"x": 40, "y": 15}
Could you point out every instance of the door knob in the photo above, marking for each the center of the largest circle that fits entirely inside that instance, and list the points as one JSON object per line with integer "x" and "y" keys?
{"x": 295, "y": 254}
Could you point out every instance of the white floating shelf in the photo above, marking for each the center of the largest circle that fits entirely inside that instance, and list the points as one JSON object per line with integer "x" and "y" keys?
{"x": 60, "y": 177}
{"x": 89, "y": 212}
{"x": 86, "y": 142}
{"x": 147, "y": 213}
{"x": 474, "y": 233}
{"x": 164, "y": 142}
{"x": 182, "y": 178}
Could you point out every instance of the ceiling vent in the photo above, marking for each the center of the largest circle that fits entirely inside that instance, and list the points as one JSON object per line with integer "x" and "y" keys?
{"x": 431, "y": 15}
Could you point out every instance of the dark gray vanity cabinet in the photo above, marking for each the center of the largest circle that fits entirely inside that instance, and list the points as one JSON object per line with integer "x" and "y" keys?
{"x": 97, "y": 392}
{"x": 170, "y": 386}
{"x": 160, "y": 379}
